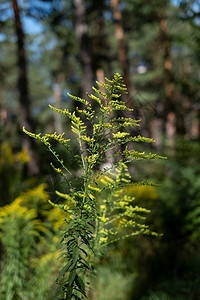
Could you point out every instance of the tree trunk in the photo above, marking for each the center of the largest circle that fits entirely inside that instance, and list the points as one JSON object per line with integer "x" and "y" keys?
{"x": 25, "y": 116}
{"x": 155, "y": 125}
{"x": 100, "y": 47}
{"x": 85, "y": 56}
{"x": 57, "y": 101}
{"x": 169, "y": 109}
{"x": 119, "y": 33}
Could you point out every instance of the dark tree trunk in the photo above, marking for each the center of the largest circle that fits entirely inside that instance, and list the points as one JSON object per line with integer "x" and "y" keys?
{"x": 169, "y": 108}
{"x": 25, "y": 116}
{"x": 119, "y": 33}
{"x": 155, "y": 125}
{"x": 100, "y": 47}
{"x": 85, "y": 56}
{"x": 57, "y": 101}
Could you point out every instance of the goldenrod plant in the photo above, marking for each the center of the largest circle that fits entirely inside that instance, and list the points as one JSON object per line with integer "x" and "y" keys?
{"x": 96, "y": 209}
{"x": 29, "y": 246}
{"x": 17, "y": 236}
{"x": 11, "y": 172}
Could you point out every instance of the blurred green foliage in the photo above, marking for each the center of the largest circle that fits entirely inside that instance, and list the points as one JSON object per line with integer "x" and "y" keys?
{"x": 168, "y": 267}
{"x": 29, "y": 238}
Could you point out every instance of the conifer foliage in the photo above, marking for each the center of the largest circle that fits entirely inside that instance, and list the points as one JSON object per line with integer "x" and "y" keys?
{"x": 97, "y": 209}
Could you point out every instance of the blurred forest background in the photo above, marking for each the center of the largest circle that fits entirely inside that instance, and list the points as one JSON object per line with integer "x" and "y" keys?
{"x": 51, "y": 47}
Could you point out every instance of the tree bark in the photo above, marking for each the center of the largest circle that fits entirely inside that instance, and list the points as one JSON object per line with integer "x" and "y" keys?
{"x": 25, "y": 116}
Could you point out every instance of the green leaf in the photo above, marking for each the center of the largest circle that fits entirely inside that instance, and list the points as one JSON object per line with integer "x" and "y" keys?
{"x": 83, "y": 251}
{"x": 72, "y": 276}
{"x": 86, "y": 265}
{"x": 65, "y": 268}
{"x": 80, "y": 284}
{"x": 58, "y": 291}
{"x": 85, "y": 240}
{"x": 69, "y": 293}
{"x": 71, "y": 224}
{"x": 75, "y": 255}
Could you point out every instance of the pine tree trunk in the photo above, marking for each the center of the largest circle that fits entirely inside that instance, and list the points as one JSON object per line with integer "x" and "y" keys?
{"x": 25, "y": 116}
{"x": 155, "y": 125}
{"x": 169, "y": 109}
{"x": 85, "y": 56}
{"x": 57, "y": 101}
{"x": 101, "y": 48}
{"x": 119, "y": 33}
